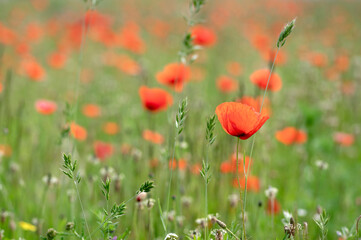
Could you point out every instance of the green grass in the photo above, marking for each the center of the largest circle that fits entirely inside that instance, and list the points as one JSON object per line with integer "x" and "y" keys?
{"x": 307, "y": 101}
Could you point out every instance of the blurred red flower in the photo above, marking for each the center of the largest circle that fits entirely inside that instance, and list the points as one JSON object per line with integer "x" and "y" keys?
{"x": 260, "y": 78}
{"x": 203, "y": 36}
{"x": 174, "y": 75}
{"x": 45, "y": 107}
{"x": 291, "y": 135}
{"x": 155, "y": 99}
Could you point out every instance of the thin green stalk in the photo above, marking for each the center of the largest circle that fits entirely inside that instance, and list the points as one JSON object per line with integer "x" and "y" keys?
{"x": 170, "y": 176}
{"x": 254, "y": 138}
{"x": 206, "y": 189}
{"x": 82, "y": 208}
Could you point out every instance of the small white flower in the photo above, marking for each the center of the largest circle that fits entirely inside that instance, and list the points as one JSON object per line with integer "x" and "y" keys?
{"x": 321, "y": 165}
{"x": 271, "y": 192}
{"x": 301, "y": 212}
{"x": 171, "y": 236}
{"x": 287, "y": 217}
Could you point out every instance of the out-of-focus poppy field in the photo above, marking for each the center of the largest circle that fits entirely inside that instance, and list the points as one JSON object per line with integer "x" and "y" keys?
{"x": 179, "y": 119}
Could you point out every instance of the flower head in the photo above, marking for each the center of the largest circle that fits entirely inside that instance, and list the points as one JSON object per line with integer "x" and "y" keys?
{"x": 240, "y": 120}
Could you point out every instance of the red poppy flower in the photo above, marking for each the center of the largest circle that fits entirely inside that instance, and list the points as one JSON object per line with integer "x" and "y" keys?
{"x": 91, "y": 110}
{"x": 256, "y": 104}
{"x": 111, "y": 128}
{"x": 7, "y": 36}
{"x": 234, "y": 68}
{"x": 153, "y": 137}
{"x": 227, "y": 84}
{"x": 318, "y": 59}
{"x": 57, "y": 60}
{"x": 273, "y": 207}
{"x": 103, "y": 150}
{"x": 203, "y": 36}
{"x": 253, "y": 183}
{"x": 196, "y": 168}
{"x": 34, "y": 32}
{"x": 5, "y": 150}
{"x": 342, "y": 63}
{"x": 174, "y": 75}
{"x": 78, "y": 132}
{"x": 261, "y": 41}
{"x": 33, "y": 70}
{"x": 130, "y": 38}
{"x": 344, "y": 139}
{"x": 260, "y": 78}
{"x": 45, "y": 107}
{"x": 291, "y": 135}
{"x": 240, "y": 120}
{"x": 155, "y": 99}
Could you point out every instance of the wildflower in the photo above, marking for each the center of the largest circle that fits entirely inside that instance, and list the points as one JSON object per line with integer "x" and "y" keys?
{"x": 27, "y": 226}
{"x": 194, "y": 234}
{"x": 155, "y": 99}
{"x": 150, "y": 203}
{"x": 271, "y": 192}
{"x": 51, "y": 234}
{"x": 78, "y": 132}
{"x": 273, "y": 207}
{"x": 33, "y": 70}
{"x": 260, "y": 78}
{"x": 343, "y": 139}
{"x": 186, "y": 201}
{"x": 103, "y": 150}
{"x": 226, "y": 84}
{"x": 344, "y": 234}
{"x": 253, "y": 183}
{"x": 233, "y": 200}
{"x": 45, "y": 107}
{"x": 57, "y": 60}
{"x": 203, "y": 36}
{"x": 218, "y": 233}
{"x": 174, "y": 75}
{"x": 130, "y": 39}
{"x": 234, "y": 68}
{"x": 50, "y": 180}
{"x": 111, "y": 128}
{"x": 69, "y": 226}
{"x": 256, "y": 104}
{"x": 153, "y": 137}
{"x": 321, "y": 165}
{"x": 291, "y": 135}
{"x": 171, "y": 236}
{"x": 240, "y": 120}
{"x": 202, "y": 222}
{"x": 141, "y": 196}
{"x": 301, "y": 212}
{"x": 91, "y": 110}
{"x": 5, "y": 150}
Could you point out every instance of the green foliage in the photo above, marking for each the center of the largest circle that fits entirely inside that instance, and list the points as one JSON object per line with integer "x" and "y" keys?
{"x": 211, "y": 123}
{"x": 181, "y": 116}
{"x": 322, "y": 224}
{"x": 106, "y": 188}
{"x": 70, "y": 168}
{"x": 146, "y": 187}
